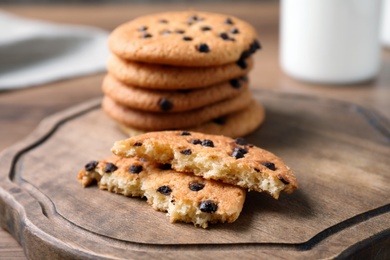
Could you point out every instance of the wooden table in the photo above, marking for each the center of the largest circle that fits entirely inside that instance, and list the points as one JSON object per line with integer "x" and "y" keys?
{"x": 22, "y": 110}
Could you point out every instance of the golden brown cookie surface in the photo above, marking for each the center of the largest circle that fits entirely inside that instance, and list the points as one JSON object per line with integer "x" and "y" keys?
{"x": 185, "y": 197}
{"x": 169, "y": 77}
{"x": 188, "y": 38}
{"x": 213, "y": 157}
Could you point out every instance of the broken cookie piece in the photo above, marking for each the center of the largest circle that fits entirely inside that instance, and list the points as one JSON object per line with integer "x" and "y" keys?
{"x": 227, "y": 160}
{"x": 184, "y": 197}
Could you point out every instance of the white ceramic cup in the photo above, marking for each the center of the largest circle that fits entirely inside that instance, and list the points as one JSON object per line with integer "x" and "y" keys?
{"x": 385, "y": 33}
{"x": 330, "y": 41}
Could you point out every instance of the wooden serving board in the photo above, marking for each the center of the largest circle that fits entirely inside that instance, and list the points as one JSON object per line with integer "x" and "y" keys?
{"x": 339, "y": 152}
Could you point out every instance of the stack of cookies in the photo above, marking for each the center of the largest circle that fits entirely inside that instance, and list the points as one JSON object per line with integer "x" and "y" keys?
{"x": 194, "y": 177}
{"x": 182, "y": 70}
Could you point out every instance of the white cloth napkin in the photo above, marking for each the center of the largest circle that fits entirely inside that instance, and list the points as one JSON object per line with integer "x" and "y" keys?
{"x": 35, "y": 52}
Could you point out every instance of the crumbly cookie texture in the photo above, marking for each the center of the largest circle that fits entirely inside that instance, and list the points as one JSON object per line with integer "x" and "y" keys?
{"x": 234, "y": 125}
{"x": 170, "y": 100}
{"x": 156, "y": 76}
{"x": 161, "y": 121}
{"x": 213, "y": 157}
{"x": 185, "y": 197}
{"x": 188, "y": 38}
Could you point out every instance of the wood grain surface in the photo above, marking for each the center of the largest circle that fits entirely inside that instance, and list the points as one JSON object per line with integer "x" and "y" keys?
{"x": 330, "y": 145}
{"x": 21, "y": 111}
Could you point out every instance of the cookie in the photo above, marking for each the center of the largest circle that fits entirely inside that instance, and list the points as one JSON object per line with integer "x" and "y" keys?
{"x": 213, "y": 157}
{"x": 171, "y": 101}
{"x": 184, "y": 197}
{"x": 237, "y": 124}
{"x": 160, "y": 121}
{"x": 188, "y": 38}
{"x": 169, "y": 77}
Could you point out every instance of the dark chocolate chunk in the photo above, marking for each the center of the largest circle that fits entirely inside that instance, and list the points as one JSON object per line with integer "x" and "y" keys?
{"x": 110, "y": 167}
{"x": 235, "y": 83}
{"x": 219, "y": 121}
{"x": 186, "y": 38}
{"x": 166, "y": 32}
{"x": 165, "y": 190}
{"x": 146, "y": 35}
{"x": 255, "y": 45}
{"x": 257, "y": 170}
{"x": 241, "y": 141}
{"x": 196, "y": 186}
{"x": 205, "y": 28}
{"x": 185, "y": 133}
{"x": 166, "y": 166}
{"x": 91, "y": 165}
{"x": 242, "y": 64}
{"x": 186, "y": 152}
{"x": 180, "y": 31}
{"x": 137, "y": 144}
{"x": 142, "y": 28}
{"x": 203, "y": 47}
{"x": 269, "y": 165}
{"x": 165, "y": 104}
{"x": 208, "y": 206}
{"x": 229, "y": 21}
{"x": 283, "y": 180}
{"x": 237, "y": 153}
{"x": 135, "y": 169}
{"x": 245, "y": 55}
{"x": 224, "y": 36}
{"x": 207, "y": 142}
{"x": 234, "y": 31}
{"x": 241, "y": 150}
{"x": 163, "y": 21}
{"x": 196, "y": 141}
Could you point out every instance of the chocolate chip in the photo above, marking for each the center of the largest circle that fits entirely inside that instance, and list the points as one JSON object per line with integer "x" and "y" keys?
{"x": 196, "y": 141}
{"x": 224, "y": 36}
{"x": 255, "y": 45}
{"x": 245, "y": 55}
{"x": 219, "y": 121}
{"x": 180, "y": 31}
{"x": 257, "y": 170}
{"x": 241, "y": 141}
{"x": 165, "y": 104}
{"x": 207, "y": 142}
{"x": 166, "y": 166}
{"x": 205, "y": 28}
{"x": 229, "y": 21}
{"x": 163, "y": 21}
{"x": 235, "y": 83}
{"x": 242, "y": 64}
{"x": 241, "y": 150}
{"x": 135, "y": 169}
{"x": 186, "y": 38}
{"x": 237, "y": 153}
{"x": 137, "y": 144}
{"x": 208, "y": 206}
{"x": 110, "y": 167}
{"x": 186, "y": 152}
{"x": 146, "y": 35}
{"x": 185, "y": 133}
{"x": 203, "y": 47}
{"x": 142, "y": 28}
{"x": 166, "y": 32}
{"x": 283, "y": 180}
{"x": 91, "y": 166}
{"x": 234, "y": 31}
{"x": 165, "y": 190}
{"x": 269, "y": 165}
{"x": 196, "y": 186}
